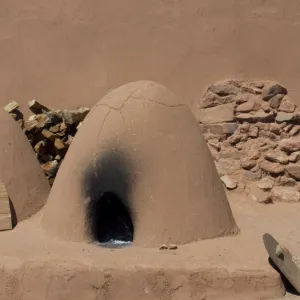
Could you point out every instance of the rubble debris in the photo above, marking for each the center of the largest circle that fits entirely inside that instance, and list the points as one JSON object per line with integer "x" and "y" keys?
{"x": 265, "y": 184}
{"x": 11, "y": 107}
{"x": 257, "y": 194}
{"x": 271, "y": 168}
{"x": 168, "y": 247}
{"x": 39, "y": 148}
{"x": 287, "y": 105}
{"x": 50, "y": 168}
{"x": 228, "y": 182}
{"x": 59, "y": 144}
{"x": 172, "y": 247}
{"x": 294, "y": 171}
{"x": 49, "y": 131}
{"x": 37, "y": 108}
{"x": 224, "y": 89}
{"x": 75, "y": 116}
{"x": 277, "y": 156}
{"x": 290, "y": 144}
{"x": 163, "y": 247}
{"x": 271, "y": 90}
{"x": 285, "y": 194}
{"x": 294, "y": 157}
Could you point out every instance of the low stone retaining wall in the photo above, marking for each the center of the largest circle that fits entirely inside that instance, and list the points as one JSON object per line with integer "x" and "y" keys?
{"x": 252, "y": 129}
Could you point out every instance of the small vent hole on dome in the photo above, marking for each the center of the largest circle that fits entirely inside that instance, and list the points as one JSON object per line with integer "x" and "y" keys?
{"x": 111, "y": 223}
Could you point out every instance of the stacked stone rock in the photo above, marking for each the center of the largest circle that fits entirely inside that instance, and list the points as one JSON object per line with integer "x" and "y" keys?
{"x": 49, "y": 131}
{"x": 253, "y": 132}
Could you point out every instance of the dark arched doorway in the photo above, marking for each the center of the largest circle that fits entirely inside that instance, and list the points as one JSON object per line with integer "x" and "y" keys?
{"x": 111, "y": 223}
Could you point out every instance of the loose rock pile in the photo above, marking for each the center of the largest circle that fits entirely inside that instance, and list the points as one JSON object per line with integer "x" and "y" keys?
{"x": 49, "y": 131}
{"x": 253, "y": 132}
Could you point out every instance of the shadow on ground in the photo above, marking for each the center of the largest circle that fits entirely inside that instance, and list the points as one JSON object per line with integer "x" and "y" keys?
{"x": 288, "y": 286}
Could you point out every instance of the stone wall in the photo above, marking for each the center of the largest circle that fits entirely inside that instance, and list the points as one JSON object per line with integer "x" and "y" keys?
{"x": 252, "y": 129}
{"x": 253, "y": 132}
{"x": 49, "y": 131}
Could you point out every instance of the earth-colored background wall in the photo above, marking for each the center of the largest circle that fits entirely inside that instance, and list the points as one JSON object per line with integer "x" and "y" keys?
{"x": 70, "y": 52}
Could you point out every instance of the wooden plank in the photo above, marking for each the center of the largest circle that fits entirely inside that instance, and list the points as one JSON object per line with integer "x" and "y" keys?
{"x": 5, "y": 214}
{"x": 283, "y": 260}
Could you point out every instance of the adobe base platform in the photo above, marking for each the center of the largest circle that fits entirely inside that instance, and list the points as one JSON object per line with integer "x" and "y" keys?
{"x": 35, "y": 266}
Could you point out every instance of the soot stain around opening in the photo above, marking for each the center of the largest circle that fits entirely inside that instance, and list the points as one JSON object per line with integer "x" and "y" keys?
{"x": 108, "y": 213}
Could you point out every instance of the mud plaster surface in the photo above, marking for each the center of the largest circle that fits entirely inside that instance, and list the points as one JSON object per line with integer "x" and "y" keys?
{"x": 126, "y": 149}
{"x": 19, "y": 170}
{"x": 33, "y": 266}
{"x": 71, "y": 52}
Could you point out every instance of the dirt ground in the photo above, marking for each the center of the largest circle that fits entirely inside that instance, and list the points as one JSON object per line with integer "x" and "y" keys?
{"x": 35, "y": 266}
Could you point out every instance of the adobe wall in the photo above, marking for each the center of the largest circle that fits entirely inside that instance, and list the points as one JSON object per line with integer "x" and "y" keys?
{"x": 20, "y": 171}
{"x": 71, "y": 52}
